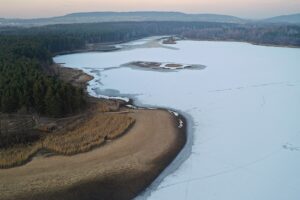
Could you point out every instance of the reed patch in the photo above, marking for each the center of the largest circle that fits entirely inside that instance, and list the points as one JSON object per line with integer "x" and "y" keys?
{"x": 85, "y": 136}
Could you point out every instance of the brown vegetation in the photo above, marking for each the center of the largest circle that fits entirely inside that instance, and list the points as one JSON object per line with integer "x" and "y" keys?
{"x": 173, "y": 65}
{"x": 153, "y": 64}
{"x": 92, "y": 133}
{"x": 18, "y": 155}
{"x": 170, "y": 40}
{"x": 146, "y": 64}
{"x": 17, "y": 129}
{"x": 79, "y": 136}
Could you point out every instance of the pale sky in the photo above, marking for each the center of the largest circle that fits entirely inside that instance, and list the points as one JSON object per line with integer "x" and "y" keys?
{"x": 240, "y": 8}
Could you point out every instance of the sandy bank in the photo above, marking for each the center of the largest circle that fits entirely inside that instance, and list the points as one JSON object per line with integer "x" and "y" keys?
{"x": 118, "y": 170}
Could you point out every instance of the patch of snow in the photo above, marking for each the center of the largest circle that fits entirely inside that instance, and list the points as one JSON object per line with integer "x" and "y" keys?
{"x": 132, "y": 106}
{"x": 180, "y": 123}
{"x": 174, "y": 113}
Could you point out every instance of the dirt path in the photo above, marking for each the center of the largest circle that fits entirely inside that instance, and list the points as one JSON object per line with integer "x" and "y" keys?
{"x": 119, "y": 170}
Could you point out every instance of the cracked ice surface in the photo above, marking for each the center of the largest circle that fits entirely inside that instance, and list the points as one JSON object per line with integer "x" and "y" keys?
{"x": 246, "y": 111}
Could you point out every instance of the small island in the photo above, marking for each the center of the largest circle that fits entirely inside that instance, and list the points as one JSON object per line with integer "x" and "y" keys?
{"x": 170, "y": 40}
{"x": 163, "y": 65}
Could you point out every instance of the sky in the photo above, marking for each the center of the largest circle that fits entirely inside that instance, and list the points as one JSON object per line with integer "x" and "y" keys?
{"x": 242, "y": 8}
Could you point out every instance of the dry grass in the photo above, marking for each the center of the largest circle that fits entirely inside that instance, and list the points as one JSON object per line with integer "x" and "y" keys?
{"x": 108, "y": 105}
{"x": 92, "y": 133}
{"x": 18, "y": 155}
{"x": 174, "y": 65}
{"x": 87, "y": 135}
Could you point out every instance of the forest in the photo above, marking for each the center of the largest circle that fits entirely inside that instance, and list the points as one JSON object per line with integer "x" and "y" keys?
{"x": 24, "y": 84}
{"x": 72, "y": 36}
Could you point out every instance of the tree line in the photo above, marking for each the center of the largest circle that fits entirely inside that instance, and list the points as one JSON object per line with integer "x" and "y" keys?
{"x": 74, "y": 36}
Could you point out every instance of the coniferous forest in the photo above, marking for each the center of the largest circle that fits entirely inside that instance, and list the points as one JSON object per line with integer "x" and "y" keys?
{"x": 25, "y": 85}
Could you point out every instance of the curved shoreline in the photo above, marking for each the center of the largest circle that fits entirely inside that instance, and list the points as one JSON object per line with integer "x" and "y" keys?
{"x": 180, "y": 157}
{"x": 175, "y": 164}
{"x": 136, "y": 181}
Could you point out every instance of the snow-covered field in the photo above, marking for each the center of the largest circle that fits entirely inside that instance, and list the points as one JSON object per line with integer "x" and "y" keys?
{"x": 243, "y": 112}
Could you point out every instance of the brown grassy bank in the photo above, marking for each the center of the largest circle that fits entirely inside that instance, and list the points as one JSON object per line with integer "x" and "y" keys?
{"x": 118, "y": 170}
{"x": 84, "y": 136}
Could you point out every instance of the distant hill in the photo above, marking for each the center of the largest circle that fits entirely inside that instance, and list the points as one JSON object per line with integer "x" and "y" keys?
{"x": 91, "y": 17}
{"x": 154, "y": 16}
{"x": 94, "y": 17}
{"x": 292, "y": 19}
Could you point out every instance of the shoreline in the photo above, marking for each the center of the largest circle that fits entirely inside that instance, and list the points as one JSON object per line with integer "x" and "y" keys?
{"x": 182, "y": 155}
{"x": 174, "y": 163}
{"x": 114, "y": 44}
{"x": 244, "y": 41}
{"x": 88, "y": 187}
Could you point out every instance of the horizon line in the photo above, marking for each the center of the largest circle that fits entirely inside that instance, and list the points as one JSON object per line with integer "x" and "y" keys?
{"x": 145, "y": 11}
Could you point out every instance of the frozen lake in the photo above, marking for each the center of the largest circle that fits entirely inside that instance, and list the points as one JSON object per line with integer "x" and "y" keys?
{"x": 243, "y": 111}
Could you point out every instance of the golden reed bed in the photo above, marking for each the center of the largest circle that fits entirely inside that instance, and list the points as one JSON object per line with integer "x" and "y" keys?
{"x": 91, "y": 133}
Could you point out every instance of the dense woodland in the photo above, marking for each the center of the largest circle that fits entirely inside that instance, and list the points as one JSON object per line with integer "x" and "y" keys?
{"x": 24, "y": 84}
{"x": 26, "y": 53}
{"x": 72, "y": 36}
